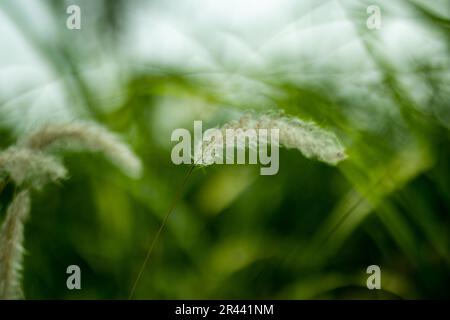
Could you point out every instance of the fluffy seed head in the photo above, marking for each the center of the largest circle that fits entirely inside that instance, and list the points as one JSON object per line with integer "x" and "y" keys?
{"x": 80, "y": 136}
{"x": 11, "y": 250}
{"x": 30, "y": 167}
{"x": 311, "y": 140}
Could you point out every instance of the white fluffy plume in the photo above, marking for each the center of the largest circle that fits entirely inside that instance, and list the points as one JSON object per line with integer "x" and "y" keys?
{"x": 11, "y": 250}
{"x": 311, "y": 140}
{"x": 30, "y": 167}
{"x": 85, "y": 136}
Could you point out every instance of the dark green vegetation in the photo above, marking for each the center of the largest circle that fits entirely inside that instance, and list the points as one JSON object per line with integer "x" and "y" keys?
{"x": 308, "y": 232}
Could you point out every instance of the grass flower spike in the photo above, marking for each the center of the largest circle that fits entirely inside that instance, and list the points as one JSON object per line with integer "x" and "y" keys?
{"x": 85, "y": 136}
{"x": 30, "y": 167}
{"x": 11, "y": 250}
{"x": 311, "y": 140}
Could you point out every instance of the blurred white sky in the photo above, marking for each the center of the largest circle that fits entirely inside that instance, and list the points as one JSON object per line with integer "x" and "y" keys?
{"x": 298, "y": 39}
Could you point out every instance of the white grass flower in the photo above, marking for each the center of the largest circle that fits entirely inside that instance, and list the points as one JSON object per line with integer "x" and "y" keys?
{"x": 11, "y": 250}
{"x": 30, "y": 167}
{"x": 204, "y": 151}
{"x": 311, "y": 140}
{"x": 79, "y": 136}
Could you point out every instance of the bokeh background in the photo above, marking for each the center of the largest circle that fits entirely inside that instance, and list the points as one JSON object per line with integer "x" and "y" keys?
{"x": 143, "y": 68}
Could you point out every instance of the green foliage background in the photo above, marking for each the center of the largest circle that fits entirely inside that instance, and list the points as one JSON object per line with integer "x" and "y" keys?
{"x": 308, "y": 232}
